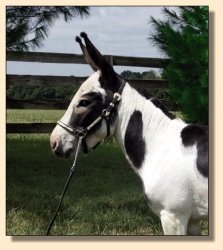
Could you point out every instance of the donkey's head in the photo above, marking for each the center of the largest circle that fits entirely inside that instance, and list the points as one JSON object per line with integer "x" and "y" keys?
{"x": 88, "y": 104}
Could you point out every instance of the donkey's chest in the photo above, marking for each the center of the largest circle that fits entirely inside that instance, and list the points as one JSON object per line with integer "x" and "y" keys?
{"x": 166, "y": 175}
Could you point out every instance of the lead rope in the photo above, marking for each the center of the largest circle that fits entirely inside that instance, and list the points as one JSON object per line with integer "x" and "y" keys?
{"x": 66, "y": 185}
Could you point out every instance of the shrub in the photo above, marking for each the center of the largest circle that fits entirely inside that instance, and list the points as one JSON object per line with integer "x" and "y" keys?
{"x": 183, "y": 37}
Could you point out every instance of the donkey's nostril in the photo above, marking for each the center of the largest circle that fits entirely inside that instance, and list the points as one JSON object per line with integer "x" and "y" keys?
{"x": 54, "y": 145}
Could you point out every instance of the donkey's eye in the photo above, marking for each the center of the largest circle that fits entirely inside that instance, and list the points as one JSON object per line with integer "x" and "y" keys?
{"x": 84, "y": 103}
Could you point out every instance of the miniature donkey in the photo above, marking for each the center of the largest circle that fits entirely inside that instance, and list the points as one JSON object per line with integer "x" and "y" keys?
{"x": 170, "y": 156}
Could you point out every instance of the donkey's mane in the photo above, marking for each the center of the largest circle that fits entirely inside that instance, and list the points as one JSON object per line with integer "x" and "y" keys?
{"x": 158, "y": 103}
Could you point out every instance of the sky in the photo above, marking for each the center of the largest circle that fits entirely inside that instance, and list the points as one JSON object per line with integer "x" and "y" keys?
{"x": 113, "y": 30}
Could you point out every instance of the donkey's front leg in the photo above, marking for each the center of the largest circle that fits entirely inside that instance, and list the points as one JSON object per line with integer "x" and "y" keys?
{"x": 173, "y": 224}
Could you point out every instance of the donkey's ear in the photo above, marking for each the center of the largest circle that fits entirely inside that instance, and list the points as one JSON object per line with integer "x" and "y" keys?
{"x": 86, "y": 55}
{"x": 99, "y": 60}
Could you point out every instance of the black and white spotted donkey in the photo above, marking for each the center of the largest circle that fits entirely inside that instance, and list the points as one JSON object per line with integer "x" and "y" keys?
{"x": 170, "y": 156}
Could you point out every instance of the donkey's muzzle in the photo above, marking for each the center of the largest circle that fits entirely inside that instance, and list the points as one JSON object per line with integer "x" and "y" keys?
{"x": 59, "y": 150}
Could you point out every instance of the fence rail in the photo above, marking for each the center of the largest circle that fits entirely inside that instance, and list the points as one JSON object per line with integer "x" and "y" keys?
{"x": 47, "y": 80}
{"x": 24, "y": 128}
{"x": 38, "y": 80}
{"x": 44, "y": 57}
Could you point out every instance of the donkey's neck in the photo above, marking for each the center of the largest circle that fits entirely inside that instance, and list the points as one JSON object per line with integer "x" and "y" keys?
{"x": 152, "y": 122}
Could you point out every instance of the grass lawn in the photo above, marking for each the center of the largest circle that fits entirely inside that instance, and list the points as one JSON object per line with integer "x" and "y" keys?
{"x": 104, "y": 197}
{"x": 32, "y": 115}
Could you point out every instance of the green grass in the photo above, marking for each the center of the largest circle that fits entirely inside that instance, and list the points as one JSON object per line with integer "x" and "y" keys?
{"x": 31, "y": 115}
{"x": 105, "y": 196}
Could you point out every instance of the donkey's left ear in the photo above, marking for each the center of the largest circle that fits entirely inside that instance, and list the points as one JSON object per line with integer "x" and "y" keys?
{"x": 97, "y": 60}
{"x": 86, "y": 55}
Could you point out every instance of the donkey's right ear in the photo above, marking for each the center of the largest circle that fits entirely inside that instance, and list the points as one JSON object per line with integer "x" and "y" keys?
{"x": 86, "y": 55}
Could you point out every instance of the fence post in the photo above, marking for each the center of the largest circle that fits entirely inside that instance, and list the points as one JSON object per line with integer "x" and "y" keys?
{"x": 111, "y": 60}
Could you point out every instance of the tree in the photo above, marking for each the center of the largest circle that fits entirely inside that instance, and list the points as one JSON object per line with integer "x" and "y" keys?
{"x": 183, "y": 37}
{"x": 146, "y": 75}
{"x": 27, "y": 26}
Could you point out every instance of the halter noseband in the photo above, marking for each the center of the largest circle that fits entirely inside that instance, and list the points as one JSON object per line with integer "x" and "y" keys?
{"x": 105, "y": 114}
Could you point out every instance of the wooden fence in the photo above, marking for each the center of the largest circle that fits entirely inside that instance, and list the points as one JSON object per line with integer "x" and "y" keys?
{"x": 40, "y": 80}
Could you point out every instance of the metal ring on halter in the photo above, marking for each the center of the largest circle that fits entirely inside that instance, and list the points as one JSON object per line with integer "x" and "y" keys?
{"x": 105, "y": 113}
{"x": 117, "y": 95}
{"x": 81, "y": 133}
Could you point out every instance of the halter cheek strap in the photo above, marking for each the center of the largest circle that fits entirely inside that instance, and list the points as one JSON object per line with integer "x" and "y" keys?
{"x": 106, "y": 114}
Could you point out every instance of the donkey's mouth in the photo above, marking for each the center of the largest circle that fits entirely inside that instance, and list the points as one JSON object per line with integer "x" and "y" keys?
{"x": 63, "y": 154}
{"x": 68, "y": 153}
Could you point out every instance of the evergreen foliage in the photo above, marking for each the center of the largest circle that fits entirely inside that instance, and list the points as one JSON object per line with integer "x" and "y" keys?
{"x": 183, "y": 37}
{"x": 27, "y": 26}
